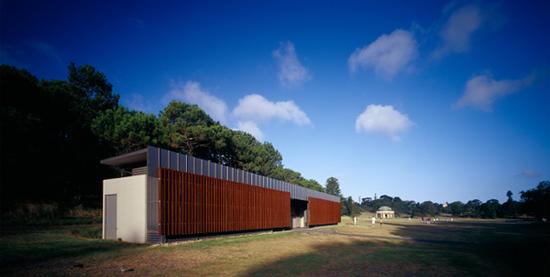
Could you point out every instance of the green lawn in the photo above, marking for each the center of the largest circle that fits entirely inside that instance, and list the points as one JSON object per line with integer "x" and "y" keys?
{"x": 397, "y": 248}
{"x": 27, "y": 247}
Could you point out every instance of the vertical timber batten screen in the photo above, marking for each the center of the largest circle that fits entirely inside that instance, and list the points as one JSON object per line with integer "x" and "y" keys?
{"x": 195, "y": 204}
{"x": 322, "y": 212}
{"x": 162, "y": 158}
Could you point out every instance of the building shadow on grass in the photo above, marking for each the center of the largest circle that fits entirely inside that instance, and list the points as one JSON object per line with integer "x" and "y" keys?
{"x": 443, "y": 249}
{"x": 355, "y": 258}
{"x": 29, "y": 249}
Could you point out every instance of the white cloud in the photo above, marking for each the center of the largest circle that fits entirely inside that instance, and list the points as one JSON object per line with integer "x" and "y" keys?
{"x": 291, "y": 71}
{"x": 457, "y": 31}
{"x": 256, "y": 108}
{"x": 251, "y": 128}
{"x": 382, "y": 119}
{"x": 482, "y": 91}
{"x": 387, "y": 55}
{"x": 191, "y": 92}
{"x": 251, "y": 111}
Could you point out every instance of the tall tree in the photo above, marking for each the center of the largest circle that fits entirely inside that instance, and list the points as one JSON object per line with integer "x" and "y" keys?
{"x": 48, "y": 122}
{"x": 185, "y": 129}
{"x": 510, "y": 208}
{"x": 333, "y": 187}
{"x": 428, "y": 208}
{"x": 126, "y": 130}
{"x": 490, "y": 209}
{"x": 350, "y": 207}
{"x": 472, "y": 208}
{"x": 536, "y": 202}
{"x": 456, "y": 208}
{"x": 94, "y": 91}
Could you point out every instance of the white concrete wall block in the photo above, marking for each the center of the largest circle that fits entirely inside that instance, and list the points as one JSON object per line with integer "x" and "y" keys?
{"x": 131, "y": 206}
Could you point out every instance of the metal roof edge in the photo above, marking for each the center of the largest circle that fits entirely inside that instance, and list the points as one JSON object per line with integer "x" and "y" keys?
{"x": 120, "y": 159}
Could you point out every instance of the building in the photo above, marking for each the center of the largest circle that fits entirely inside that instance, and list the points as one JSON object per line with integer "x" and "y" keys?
{"x": 163, "y": 195}
{"x": 385, "y": 212}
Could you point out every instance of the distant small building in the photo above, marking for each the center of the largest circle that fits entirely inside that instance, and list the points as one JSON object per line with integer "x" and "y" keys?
{"x": 385, "y": 212}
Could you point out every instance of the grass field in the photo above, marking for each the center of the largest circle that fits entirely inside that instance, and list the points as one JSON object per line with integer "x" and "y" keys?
{"x": 398, "y": 247}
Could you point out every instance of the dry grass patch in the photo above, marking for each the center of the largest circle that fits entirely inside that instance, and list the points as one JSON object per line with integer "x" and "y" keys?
{"x": 397, "y": 248}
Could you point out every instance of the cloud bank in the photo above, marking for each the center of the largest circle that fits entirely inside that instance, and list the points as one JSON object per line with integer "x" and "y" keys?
{"x": 383, "y": 120}
{"x": 291, "y": 71}
{"x": 387, "y": 55}
{"x": 191, "y": 92}
{"x": 457, "y": 31}
{"x": 251, "y": 111}
{"x": 482, "y": 91}
{"x": 256, "y": 108}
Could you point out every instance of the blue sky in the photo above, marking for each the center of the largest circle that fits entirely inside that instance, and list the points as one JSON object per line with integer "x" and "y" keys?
{"x": 434, "y": 101}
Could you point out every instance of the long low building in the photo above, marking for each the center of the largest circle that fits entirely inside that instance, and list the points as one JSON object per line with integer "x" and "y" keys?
{"x": 164, "y": 195}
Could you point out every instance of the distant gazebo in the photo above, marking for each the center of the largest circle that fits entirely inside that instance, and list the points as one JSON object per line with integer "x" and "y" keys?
{"x": 384, "y": 212}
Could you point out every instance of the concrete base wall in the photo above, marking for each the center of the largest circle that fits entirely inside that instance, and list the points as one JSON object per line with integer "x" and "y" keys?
{"x": 131, "y": 214}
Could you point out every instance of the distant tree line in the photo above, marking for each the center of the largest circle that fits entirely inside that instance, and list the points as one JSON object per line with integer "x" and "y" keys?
{"x": 55, "y": 132}
{"x": 534, "y": 202}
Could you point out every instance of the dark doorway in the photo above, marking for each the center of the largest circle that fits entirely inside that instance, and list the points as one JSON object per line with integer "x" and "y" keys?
{"x": 298, "y": 213}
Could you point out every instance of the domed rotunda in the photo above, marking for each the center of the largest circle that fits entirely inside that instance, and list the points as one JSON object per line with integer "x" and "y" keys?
{"x": 385, "y": 212}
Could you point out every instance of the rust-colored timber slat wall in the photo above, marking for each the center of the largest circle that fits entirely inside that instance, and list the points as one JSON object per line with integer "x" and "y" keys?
{"x": 195, "y": 204}
{"x": 323, "y": 212}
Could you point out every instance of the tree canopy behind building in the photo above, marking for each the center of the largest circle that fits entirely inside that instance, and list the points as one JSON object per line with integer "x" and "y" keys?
{"x": 55, "y": 132}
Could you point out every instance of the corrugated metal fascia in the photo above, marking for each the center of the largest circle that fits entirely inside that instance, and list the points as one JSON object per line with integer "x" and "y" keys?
{"x": 158, "y": 157}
